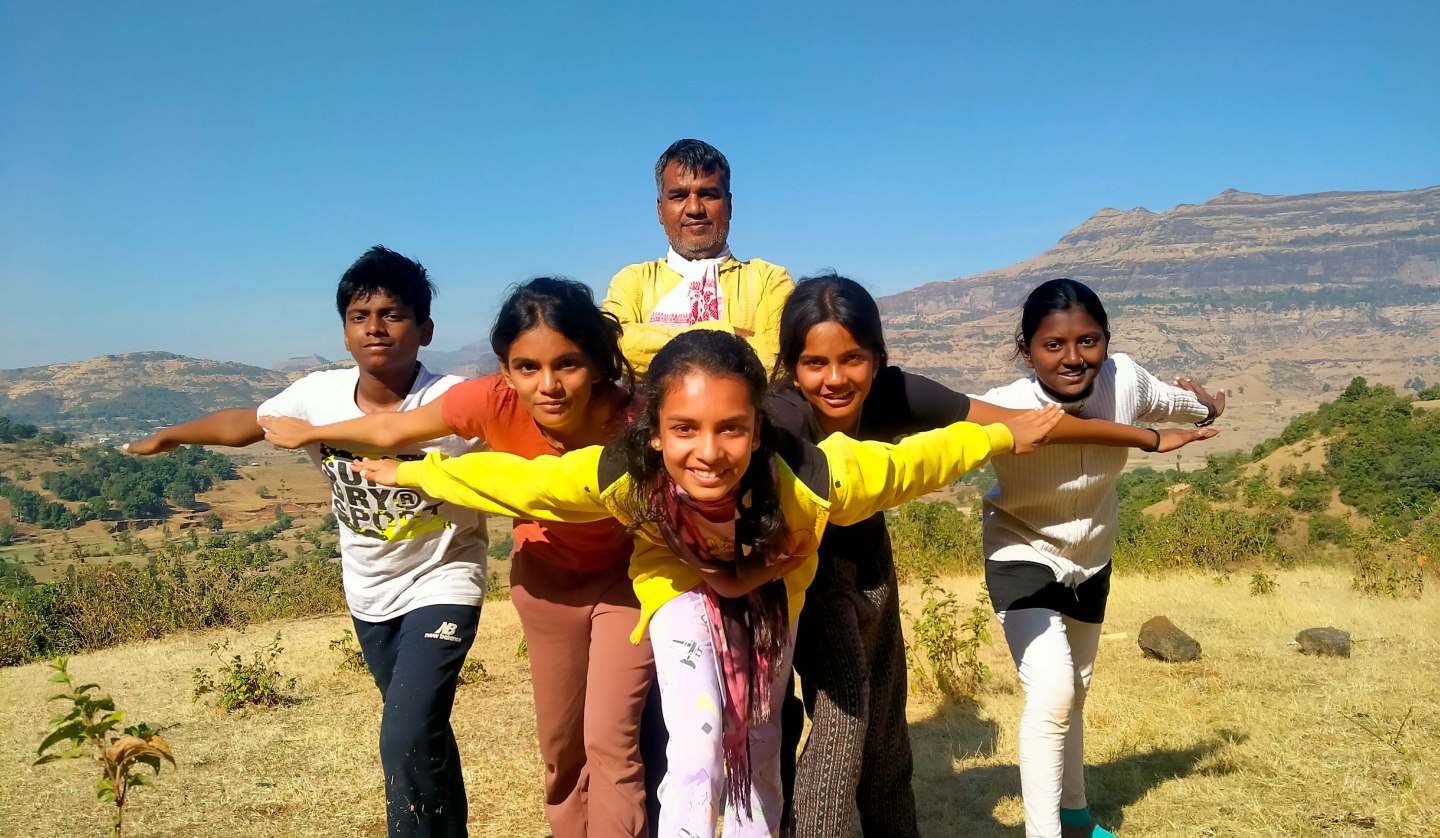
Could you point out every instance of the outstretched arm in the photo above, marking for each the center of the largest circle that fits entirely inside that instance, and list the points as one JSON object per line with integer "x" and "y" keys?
{"x": 1215, "y": 404}
{"x": 235, "y": 427}
{"x": 564, "y": 488}
{"x": 383, "y": 431}
{"x": 866, "y": 477}
{"x": 1073, "y": 430}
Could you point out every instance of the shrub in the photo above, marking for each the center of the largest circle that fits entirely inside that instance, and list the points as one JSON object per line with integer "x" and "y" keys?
{"x": 1262, "y": 584}
{"x": 97, "y": 606}
{"x": 933, "y": 538}
{"x": 1198, "y": 535}
{"x": 494, "y": 591}
{"x": 472, "y": 671}
{"x": 352, "y": 657}
{"x": 1387, "y": 567}
{"x": 951, "y": 647}
{"x": 1328, "y": 529}
{"x": 241, "y": 684}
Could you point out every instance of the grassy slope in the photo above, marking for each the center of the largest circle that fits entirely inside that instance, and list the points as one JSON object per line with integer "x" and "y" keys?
{"x": 1251, "y": 740}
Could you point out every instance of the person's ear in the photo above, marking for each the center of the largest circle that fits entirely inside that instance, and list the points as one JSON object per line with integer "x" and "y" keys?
{"x": 505, "y": 374}
{"x": 427, "y": 331}
{"x": 655, "y": 442}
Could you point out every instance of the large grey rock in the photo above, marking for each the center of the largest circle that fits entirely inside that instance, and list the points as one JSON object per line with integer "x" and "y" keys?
{"x": 1324, "y": 641}
{"x": 1160, "y": 639}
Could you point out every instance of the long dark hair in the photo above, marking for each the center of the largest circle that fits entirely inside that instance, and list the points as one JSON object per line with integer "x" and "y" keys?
{"x": 828, "y": 298}
{"x": 569, "y": 308}
{"x": 1055, "y": 295}
{"x": 759, "y": 527}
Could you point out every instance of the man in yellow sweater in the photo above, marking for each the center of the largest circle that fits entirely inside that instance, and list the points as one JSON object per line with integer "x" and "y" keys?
{"x": 698, "y": 285}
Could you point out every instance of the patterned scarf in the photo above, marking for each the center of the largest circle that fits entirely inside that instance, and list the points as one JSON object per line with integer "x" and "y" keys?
{"x": 697, "y": 299}
{"x": 750, "y": 632}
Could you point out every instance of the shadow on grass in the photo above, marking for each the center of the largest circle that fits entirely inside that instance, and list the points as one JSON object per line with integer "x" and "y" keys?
{"x": 953, "y": 800}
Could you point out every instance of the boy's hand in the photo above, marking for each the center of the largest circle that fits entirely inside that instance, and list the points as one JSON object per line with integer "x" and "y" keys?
{"x": 1032, "y": 427}
{"x": 153, "y": 444}
{"x": 1173, "y": 438}
{"x": 286, "y": 431}
{"x": 381, "y": 471}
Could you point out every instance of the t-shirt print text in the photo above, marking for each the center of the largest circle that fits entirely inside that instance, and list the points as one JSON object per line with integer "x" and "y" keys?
{"x": 372, "y": 510}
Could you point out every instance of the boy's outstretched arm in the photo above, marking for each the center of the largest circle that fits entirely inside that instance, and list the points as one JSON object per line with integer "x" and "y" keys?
{"x": 235, "y": 427}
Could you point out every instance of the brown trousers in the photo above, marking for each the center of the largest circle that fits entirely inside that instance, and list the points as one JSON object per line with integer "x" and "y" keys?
{"x": 590, "y": 684}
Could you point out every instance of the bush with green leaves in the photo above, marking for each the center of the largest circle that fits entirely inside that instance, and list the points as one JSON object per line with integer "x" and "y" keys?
{"x": 472, "y": 671}
{"x": 98, "y": 606}
{"x": 352, "y": 657}
{"x": 1387, "y": 565}
{"x": 1262, "y": 583}
{"x": 92, "y": 725}
{"x": 933, "y": 538}
{"x": 239, "y": 683}
{"x": 945, "y": 651}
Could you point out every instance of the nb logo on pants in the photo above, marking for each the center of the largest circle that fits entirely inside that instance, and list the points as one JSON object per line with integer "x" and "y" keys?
{"x": 445, "y": 632}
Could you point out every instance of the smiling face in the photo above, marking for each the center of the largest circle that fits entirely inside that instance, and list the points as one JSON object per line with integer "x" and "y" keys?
{"x": 694, "y": 209}
{"x": 834, "y": 373}
{"x": 707, "y": 430}
{"x": 381, "y": 333}
{"x": 553, "y": 378}
{"x": 1066, "y": 352}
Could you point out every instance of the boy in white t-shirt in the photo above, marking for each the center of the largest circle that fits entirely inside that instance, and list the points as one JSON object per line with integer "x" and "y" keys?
{"x": 413, "y": 567}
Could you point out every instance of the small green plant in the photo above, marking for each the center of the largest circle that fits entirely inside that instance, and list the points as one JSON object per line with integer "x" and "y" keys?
{"x": 495, "y": 591}
{"x": 472, "y": 671}
{"x": 242, "y": 684}
{"x": 950, "y": 646}
{"x": 1222, "y": 578}
{"x": 91, "y": 726}
{"x": 1262, "y": 583}
{"x": 352, "y": 658}
{"x": 522, "y": 652}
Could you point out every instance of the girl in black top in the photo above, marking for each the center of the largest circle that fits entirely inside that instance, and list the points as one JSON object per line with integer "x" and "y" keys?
{"x": 832, "y": 377}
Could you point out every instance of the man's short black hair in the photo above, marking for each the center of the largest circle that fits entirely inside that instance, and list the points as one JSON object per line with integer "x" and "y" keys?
{"x": 382, "y": 269}
{"x": 695, "y": 156}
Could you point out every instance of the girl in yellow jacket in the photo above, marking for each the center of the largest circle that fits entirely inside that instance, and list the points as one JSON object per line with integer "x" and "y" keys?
{"x": 728, "y": 516}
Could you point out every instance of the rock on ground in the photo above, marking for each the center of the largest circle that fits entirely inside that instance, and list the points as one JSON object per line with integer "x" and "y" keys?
{"x": 1160, "y": 639}
{"x": 1324, "y": 641}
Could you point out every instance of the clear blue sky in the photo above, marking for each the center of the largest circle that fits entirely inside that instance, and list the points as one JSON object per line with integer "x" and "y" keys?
{"x": 194, "y": 177}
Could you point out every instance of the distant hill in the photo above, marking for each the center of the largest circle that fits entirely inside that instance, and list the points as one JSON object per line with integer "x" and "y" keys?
{"x": 302, "y": 363}
{"x": 1279, "y": 299}
{"x": 471, "y": 360}
{"x": 131, "y": 392}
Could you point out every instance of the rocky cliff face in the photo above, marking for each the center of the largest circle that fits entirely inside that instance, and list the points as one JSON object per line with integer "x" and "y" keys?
{"x": 1234, "y": 240}
{"x": 1280, "y": 300}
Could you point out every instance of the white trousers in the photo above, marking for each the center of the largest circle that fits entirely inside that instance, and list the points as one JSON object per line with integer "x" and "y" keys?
{"x": 693, "y": 793}
{"x": 1055, "y": 656}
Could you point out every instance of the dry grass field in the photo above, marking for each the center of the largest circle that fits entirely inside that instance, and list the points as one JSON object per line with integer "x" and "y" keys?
{"x": 1253, "y": 740}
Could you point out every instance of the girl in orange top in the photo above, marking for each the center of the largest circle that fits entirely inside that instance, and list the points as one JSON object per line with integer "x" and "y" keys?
{"x": 563, "y": 384}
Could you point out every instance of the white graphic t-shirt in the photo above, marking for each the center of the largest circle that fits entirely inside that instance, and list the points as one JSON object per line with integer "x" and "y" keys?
{"x": 400, "y": 549}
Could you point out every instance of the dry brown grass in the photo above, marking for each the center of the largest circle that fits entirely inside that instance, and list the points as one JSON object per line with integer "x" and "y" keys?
{"x": 1253, "y": 740}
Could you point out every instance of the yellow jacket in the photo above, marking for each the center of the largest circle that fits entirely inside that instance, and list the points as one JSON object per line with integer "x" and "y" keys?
{"x": 841, "y": 481}
{"x": 755, "y": 291}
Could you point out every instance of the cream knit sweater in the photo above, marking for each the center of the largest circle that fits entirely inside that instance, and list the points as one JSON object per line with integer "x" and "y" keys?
{"x": 1057, "y": 506}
